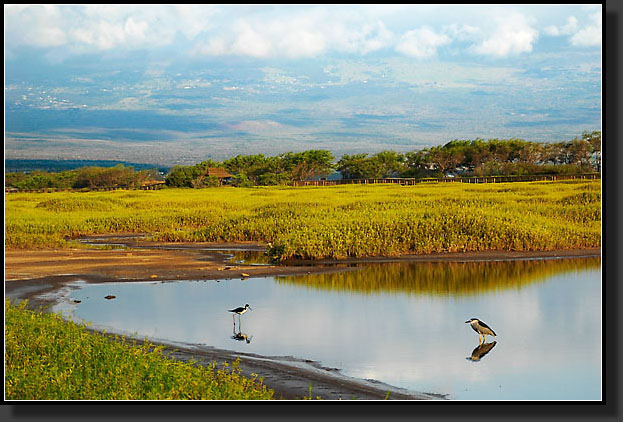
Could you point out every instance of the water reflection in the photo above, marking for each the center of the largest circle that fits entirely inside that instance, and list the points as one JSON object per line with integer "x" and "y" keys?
{"x": 240, "y": 336}
{"x": 444, "y": 278}
{"x": 250, "y": 258}
{"x": 480, "y": 351}
{"x": 384, "y": 323}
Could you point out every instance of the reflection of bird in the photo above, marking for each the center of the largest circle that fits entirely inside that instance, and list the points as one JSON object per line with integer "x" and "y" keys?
{"x": 239, "y": 311}
{"x": 480, "y": 351}
{"x": 481, "y": 328}
{"x": 241, "y": 336}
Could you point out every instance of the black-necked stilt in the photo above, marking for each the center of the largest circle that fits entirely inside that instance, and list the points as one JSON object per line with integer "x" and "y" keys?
{"x": 481, "y": 328}
{"x": 239, "y": 311}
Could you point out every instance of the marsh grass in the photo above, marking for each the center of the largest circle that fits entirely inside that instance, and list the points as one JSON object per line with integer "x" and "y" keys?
{"x": 48, "y": 358}
{"x": 324, "y": 222}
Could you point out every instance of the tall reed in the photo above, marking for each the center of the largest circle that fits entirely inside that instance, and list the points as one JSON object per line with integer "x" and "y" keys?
{"x": 319, "y": 222}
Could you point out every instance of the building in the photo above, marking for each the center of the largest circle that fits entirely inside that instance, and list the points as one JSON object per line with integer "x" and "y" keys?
{"x": 224, "y": 178}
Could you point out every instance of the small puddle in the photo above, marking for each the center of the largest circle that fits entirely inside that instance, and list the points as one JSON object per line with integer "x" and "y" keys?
{"x": 238, "y": 256}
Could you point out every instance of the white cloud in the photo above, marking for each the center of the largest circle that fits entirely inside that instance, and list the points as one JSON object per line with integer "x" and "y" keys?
{"x": 38, "y": 25}
{"x": 569, "y": 28}
{"x": 257, "y": 126}
{"x": 194, "y": 19}
{"x": 512, "y": 35}
{"x": 463, "y": 32}
{"x": 250, "y": 42}
{"x": 590, "y": 35}
{"x": 421, "y": 43}
{"x": 299, "y": 34}
{"x": 291, "y": 31}
{"x": 363, "y": 38}
{"x": 97, "y": 27}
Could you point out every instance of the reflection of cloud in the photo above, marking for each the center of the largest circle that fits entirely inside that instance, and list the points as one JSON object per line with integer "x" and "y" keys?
{"x": 385, "y": 337}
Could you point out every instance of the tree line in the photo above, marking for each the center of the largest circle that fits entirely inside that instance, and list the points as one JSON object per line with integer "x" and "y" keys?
{"x": 480, "y": 157}
{"x": 476, "y": 157}
{"x": 91, "y": 177}
{"x": 256, "y": 169}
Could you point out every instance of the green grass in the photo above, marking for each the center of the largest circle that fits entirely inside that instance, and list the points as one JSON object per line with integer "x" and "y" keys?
{"x": 318, "y": 222}
{"x": 48, "y": 358}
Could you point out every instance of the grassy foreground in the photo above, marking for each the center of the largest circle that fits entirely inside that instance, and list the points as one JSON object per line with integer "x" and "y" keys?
{"x": 47, "y": 358}
{"x": 319, "y": 222}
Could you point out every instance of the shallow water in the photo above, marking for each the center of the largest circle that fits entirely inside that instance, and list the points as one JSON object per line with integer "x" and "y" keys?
{"x": 399, "y": 323}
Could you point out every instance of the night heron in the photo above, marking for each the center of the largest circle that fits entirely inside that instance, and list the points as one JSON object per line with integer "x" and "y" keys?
{"x": 481, "y": 328}
{"x": 239, "y": 311}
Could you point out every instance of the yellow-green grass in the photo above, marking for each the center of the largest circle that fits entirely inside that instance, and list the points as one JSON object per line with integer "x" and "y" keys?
{"x": 319, "y": 222}
{"x": 48, "y": 358}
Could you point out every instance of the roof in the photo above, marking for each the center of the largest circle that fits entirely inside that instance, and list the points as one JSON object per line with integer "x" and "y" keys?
{"x": 218, "y": 172}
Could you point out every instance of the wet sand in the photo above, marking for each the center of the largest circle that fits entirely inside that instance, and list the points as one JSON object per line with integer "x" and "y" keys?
{"x": 30, "y": 273}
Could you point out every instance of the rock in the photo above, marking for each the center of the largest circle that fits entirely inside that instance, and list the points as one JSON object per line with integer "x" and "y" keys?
{"x": 109, "y": 297}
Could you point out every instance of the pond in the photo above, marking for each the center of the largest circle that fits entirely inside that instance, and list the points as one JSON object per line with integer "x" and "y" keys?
{"x": 399, "y": 323}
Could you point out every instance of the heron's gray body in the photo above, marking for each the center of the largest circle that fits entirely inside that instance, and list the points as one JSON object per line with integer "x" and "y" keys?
{"x": 481, "y": 328}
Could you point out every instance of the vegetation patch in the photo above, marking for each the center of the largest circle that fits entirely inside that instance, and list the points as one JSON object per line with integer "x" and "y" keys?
{"x": 48, "y": 358}
{"x": 325, "y": 222}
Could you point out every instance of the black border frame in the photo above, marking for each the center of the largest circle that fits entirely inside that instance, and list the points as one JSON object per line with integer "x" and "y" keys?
{"x": 607, "y": 409}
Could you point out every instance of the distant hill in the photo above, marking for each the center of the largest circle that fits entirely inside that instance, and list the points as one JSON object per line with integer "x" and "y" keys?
{"x": 15, "y": 165}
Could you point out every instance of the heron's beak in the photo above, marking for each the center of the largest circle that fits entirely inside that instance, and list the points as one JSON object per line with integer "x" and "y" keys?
{"x": 467, "y": 322}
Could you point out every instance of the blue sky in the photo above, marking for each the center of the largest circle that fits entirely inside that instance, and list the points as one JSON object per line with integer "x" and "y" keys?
{"x": 353, "y": 78}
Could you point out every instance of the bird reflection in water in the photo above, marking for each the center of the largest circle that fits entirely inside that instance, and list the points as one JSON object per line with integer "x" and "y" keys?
{"x": 480, "y": 351}
{"x": 240, "y": 336}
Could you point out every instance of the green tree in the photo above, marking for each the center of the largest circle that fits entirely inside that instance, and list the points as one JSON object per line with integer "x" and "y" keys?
{"x": 386, "y": 164}
{"x": 354, "y": 166}
{"x": 309, "y": 164}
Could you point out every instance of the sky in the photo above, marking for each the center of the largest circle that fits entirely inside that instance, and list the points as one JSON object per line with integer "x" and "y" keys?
{"x": 182, "y": 83}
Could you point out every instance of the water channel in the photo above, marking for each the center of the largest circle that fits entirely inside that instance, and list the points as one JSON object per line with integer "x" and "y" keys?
{"x": 399, "y": 323}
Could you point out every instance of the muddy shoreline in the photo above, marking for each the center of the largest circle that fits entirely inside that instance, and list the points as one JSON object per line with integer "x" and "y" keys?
{"x": 36, "y": 274}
